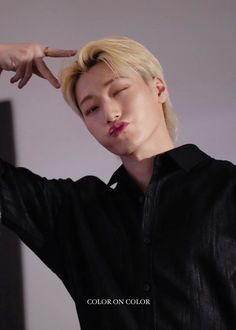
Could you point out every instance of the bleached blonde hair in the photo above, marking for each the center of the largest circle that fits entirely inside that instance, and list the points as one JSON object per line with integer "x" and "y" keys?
{"x": 118, "y": 53}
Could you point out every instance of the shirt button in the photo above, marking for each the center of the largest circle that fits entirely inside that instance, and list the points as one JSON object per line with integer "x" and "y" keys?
{"x": 146, "y": 287}
{"x": 146, "y": 240}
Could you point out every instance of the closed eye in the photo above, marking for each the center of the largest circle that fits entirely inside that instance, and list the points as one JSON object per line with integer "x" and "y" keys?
{"x": 119, "y": 91}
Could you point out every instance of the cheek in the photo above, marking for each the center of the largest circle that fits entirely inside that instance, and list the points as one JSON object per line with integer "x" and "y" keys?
{"x": 95, "y": 131}
{"x": 139, "y": 105}
{"x": 90, "y": 127}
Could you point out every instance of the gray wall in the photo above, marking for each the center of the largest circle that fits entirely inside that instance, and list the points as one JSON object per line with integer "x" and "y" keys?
{"x": 195, "y": 42}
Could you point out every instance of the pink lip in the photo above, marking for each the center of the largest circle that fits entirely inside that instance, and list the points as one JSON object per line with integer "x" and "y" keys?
{"x": 117, "y": 128}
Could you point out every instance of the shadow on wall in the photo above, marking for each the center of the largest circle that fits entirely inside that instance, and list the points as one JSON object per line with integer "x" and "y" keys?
{"x": 11, "y": 288}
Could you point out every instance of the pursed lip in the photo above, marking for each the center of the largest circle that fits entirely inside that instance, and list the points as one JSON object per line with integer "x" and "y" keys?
{"x": 117, "y": 127}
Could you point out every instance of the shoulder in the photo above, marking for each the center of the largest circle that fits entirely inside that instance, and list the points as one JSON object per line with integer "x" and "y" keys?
{"x": 223, "y": 167}
{"x": 90, "y": 182}
{"x": 217, "y": 173}
{"x": 89, "y": 186}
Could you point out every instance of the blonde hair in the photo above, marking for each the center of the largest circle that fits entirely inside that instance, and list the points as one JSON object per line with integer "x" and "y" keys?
{"x": 117, "y": 53}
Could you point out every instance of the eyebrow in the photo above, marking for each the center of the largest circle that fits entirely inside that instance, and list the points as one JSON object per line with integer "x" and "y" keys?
{"x": 107, "y": 83}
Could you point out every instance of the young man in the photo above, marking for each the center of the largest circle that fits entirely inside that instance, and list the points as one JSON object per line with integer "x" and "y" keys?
{"x": 158, "y": 250}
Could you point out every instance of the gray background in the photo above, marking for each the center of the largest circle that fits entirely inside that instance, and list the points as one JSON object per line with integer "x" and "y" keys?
{"x": 195, "y": 42}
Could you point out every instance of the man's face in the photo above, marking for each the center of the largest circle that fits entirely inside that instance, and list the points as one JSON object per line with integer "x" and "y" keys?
{"x": 123, "y": 113}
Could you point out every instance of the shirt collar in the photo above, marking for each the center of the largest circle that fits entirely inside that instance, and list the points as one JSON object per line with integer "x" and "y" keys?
{"x": 186, "y": 157}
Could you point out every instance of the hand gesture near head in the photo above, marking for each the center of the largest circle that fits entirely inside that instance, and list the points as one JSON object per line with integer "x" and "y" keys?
{"x": 26, "y": 59}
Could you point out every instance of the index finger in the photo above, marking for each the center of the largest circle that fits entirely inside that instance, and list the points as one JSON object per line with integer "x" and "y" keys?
{"x": 54, "y": 52}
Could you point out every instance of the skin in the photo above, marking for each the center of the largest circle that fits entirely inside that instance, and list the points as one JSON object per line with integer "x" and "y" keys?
{"x": 26, "y": 59}
{"x": 130, "y": 99}
{"x": 127, "y": 99}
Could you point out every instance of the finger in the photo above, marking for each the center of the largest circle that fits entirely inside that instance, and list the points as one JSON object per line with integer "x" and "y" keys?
{"x": 53, "y": 52}
{"x": 0, "y": 71}
{"x": 20, "y": 71}
{"x": 27, "y": 75}
{"x": 36, "y": 71}
{"x": 46, "y": 73}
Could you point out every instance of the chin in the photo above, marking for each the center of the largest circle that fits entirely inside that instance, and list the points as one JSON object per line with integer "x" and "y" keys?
{"x": 124, "y": 150}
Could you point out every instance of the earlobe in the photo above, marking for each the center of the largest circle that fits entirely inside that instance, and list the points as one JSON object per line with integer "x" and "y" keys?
{"x": 161, "y": 89}
{"x": 163, "y": 96}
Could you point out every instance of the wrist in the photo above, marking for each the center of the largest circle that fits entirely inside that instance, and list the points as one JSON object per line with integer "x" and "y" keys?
{"x": 3, "y": 48}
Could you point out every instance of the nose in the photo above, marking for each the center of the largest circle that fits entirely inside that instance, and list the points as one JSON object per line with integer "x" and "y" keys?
{"x": 112, "y": 118}
{"x": 111, "y": 112}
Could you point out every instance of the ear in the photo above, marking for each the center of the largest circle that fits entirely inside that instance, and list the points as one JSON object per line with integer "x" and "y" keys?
{"x": 161, "y": 90}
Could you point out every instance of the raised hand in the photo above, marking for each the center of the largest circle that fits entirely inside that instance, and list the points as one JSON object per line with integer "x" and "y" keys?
{"x": 27, "y": 58}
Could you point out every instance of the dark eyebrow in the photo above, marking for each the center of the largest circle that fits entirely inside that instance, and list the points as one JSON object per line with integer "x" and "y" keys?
{"x": 107, "y": 83}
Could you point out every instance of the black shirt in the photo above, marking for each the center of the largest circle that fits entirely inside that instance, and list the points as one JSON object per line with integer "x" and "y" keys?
{"x": 161, "y": 260}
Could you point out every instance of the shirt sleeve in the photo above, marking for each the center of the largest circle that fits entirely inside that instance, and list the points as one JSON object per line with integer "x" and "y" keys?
{"x": 29, "y": 205}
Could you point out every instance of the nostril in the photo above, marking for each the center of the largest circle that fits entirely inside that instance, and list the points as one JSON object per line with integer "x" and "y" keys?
{"x": 112, "y": 118}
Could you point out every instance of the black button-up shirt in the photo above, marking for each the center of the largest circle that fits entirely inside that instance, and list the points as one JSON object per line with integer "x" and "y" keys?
{"x": 165, "y": 259}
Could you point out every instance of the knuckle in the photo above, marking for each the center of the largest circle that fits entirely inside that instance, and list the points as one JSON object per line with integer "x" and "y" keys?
{"x": 32, "y": 51}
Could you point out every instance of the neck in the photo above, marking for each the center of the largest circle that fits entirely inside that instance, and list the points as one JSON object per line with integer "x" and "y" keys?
{"x": 139, "y": 165}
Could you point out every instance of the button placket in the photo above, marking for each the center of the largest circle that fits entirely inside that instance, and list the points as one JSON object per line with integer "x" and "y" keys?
{"x": 149, "y": 207}
{"x": 146, "y": 287}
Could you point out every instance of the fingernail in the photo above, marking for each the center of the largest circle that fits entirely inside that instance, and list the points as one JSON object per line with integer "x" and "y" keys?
{"x": 73, "y": 52}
